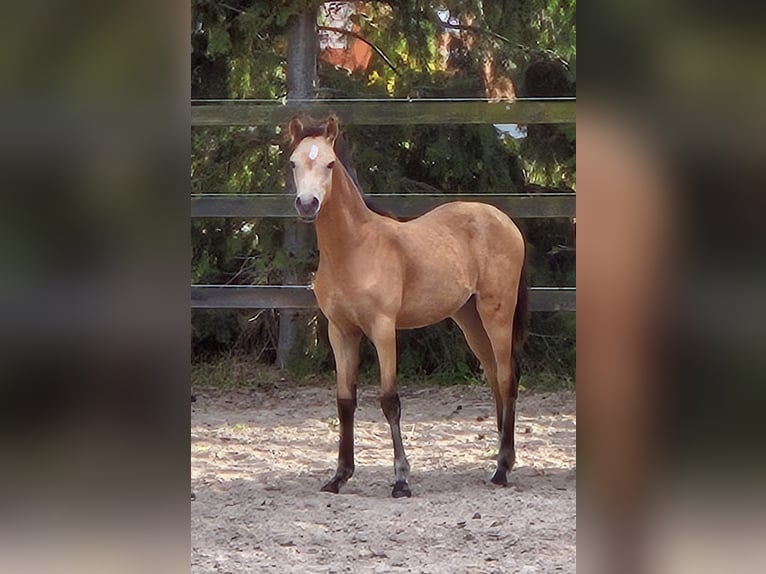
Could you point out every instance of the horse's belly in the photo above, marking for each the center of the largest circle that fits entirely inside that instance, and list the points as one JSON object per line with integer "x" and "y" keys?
{"x": 420, "y": 309}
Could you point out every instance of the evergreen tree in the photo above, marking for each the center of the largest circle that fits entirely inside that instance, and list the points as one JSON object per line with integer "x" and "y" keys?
{"x": 417, "y": 49}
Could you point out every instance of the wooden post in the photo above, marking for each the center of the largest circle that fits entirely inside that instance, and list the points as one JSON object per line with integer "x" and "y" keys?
{"x": 301, "y": 77}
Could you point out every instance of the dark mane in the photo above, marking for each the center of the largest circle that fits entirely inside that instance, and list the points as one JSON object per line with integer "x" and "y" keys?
{"x": 315, "y": 128}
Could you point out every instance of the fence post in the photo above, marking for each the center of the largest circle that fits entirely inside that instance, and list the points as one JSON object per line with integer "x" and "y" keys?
{"x": 301, "y": 77}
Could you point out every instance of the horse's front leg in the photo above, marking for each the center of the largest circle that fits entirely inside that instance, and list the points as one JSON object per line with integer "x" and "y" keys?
{"x": 345, "y": 347}
{"x": 384, "y": 339}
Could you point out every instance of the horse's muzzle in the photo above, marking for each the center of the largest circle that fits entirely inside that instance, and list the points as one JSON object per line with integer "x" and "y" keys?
{"x": 307, "y": 210}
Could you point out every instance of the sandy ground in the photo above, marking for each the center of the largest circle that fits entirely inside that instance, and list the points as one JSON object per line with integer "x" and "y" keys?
{"x": 260, "y": 456}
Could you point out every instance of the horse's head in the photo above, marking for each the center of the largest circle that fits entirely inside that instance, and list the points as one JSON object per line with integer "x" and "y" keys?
{"x": 312, "y": 161}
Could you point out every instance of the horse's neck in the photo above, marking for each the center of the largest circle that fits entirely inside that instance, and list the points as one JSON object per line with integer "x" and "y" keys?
{"x": 341, "y": 218}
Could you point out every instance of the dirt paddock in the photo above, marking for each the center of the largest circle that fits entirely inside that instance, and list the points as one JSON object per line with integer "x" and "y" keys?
{"x": 260, "y": 456}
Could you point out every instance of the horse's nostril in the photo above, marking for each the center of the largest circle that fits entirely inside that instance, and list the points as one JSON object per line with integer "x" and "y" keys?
{"x": 307, "y": 208}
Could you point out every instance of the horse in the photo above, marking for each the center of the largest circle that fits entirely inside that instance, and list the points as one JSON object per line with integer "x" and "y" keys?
{"x": 377, "y": 274}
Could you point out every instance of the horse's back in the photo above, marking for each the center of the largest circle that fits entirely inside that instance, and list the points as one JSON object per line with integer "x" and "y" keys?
{"x": 482, "y": 225}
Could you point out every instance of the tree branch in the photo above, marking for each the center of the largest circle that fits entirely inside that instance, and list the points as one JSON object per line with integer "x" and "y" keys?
{"x": 475, "y": 29}
{"x": 232, "y": 8}
{"x": 378, "y": 51}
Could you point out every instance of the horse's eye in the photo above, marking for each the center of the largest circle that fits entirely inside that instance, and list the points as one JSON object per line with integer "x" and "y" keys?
{"x": 331, "y": 165}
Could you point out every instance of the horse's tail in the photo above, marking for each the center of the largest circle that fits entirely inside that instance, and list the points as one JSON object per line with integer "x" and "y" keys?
{"x": 521, "y": 314}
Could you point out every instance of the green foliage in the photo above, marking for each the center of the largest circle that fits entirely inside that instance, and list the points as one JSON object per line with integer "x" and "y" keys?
{"x": 550, "y": 354}
{"x": 239, "y": 51}
{"x": 228, "y": 371}
{"x": 548, "y": 154}
{"x": 219, "y": 41}
{"x": 213, "y": 331}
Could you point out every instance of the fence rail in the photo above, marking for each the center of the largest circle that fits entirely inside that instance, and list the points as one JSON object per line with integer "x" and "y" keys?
{"x": 222, "y": 113}
{"x": 387, "y": 112}
{"x": 402, "y": 205}
{"x": 302, "y": 297}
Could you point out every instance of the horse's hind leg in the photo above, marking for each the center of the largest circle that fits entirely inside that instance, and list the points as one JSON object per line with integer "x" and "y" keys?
{"x": 384, "y": 338}
{"x": 497, "y": 317}
{"x": 345, "y": 346}
{"x": 467, "y": 318}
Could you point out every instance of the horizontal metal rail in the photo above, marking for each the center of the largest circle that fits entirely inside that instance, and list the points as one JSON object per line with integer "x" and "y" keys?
{"x": 403, "y": 205}
{"x": 384, "y": 112}
{"x": 302, "y": 297}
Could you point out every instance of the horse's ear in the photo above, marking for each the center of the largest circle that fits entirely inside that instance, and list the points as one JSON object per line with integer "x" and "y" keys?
{"x": 295, "y": 129}
{"x": 331, "y": 129}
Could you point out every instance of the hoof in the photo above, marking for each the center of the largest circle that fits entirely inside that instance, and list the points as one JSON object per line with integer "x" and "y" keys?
{"x": 499, "y": 478}
{"x": 340, "y": 478}
{"x": 332, "y": 486}
{"x": 401, "y": 490}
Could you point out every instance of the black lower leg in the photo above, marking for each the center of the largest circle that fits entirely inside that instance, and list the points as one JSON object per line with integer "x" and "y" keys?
{"x": 506, "y": 456}
{"x": 392, "y": 410}
{"x": 346, "y": 408}
{"x": 506, "y": 423}
{"x": 392, "y": 407}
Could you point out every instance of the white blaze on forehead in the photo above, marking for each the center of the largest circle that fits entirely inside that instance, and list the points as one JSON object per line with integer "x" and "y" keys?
{"x": 313, "y": 152}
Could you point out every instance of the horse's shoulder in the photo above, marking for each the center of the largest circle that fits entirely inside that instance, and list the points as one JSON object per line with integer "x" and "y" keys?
{"x": 384, "y": 228}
